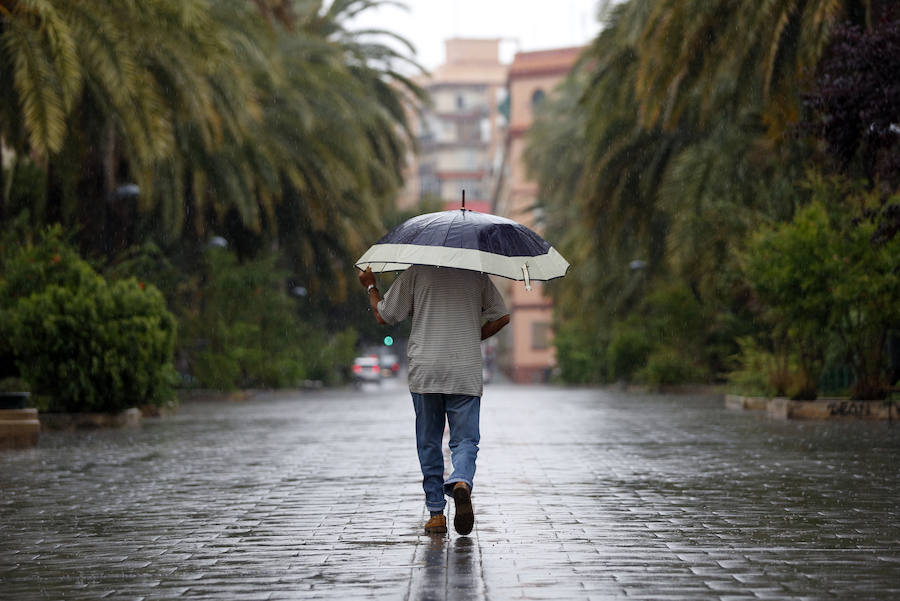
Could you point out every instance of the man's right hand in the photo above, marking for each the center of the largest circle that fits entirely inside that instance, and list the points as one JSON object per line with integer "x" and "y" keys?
{"x": 367, "y": 278}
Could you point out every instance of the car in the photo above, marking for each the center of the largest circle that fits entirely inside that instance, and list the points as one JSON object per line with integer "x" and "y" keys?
{"x": 366, "y": 369}
{"x": 390, "y": 366}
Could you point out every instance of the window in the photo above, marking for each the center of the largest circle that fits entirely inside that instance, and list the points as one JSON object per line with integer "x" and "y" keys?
{"x": 537, "y": 97}
{"x": 428, "y": 182}
{"x": 540, "y": 336}
{"x": 468, "y": 131}
{"x": 467, "y": 160}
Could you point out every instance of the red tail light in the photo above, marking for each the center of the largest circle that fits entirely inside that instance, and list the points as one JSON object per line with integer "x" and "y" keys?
{"x": 357, "y": 369}
{"x": 376, "y": 369}
{"x": 395, "y": 367}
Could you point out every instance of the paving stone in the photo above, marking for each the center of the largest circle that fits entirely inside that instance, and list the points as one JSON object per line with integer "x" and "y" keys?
{"x": 581, "y": 494}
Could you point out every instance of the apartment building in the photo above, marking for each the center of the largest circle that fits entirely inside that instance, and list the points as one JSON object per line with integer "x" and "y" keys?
{"x": 460, "y": 134}
{"x": 532, "y": 77}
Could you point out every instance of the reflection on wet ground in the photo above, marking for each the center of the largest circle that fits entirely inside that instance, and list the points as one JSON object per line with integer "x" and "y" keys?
{"x": 445, "y": 568}
{"x": 580, "y": 494}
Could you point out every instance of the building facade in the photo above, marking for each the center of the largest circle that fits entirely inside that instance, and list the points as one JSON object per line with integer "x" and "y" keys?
{"x": 529, "y": 353}
{"x": 460, "y": 133}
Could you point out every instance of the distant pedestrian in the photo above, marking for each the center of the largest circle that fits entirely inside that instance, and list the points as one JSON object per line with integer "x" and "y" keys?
{"x": 452, "y": 311}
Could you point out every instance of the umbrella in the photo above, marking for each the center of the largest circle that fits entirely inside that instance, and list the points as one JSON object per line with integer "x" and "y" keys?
{"x": 467, "y": 240}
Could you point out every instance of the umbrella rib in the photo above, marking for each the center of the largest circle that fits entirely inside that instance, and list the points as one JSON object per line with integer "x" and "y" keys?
{"x": 437, "y": 216}
{"x": 449, "y": 227}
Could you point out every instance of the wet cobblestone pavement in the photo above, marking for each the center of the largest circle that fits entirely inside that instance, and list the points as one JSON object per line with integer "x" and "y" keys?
{"x": 580, "y": 494}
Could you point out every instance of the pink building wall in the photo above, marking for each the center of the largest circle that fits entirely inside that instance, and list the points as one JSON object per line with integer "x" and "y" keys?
{"x": 529, "y": 354}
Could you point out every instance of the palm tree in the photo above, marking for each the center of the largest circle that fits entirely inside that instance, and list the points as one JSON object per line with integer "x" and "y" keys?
{"x": 322, "y": 164}
{"x": 266, "y": 119}
{"x": 122, "y": 55}
{"x": 722, "y": 54}
{"x": 99, "y": 88}
{"x": 42, "y": 73}
{"x": 601, "y": 200}
{"x": 677, "y": 187}
{"x": 362, "y": 131}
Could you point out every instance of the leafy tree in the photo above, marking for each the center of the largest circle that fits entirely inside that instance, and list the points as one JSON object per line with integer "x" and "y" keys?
{"x": 716, "y": 55}
{"x": 599, "y": 191}
{"x": 853, "y": 109}
{"x": 821, "y": 278}
{"x": 627, "y": 352}
{"x": 260, "y": 121}
{"x": 229, "y": 342}
{"x": 669, "y": 151}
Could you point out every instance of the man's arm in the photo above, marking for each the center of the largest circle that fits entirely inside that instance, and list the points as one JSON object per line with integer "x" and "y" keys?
{"x": 367, "y": 278}
{"x": 492, "y": 327}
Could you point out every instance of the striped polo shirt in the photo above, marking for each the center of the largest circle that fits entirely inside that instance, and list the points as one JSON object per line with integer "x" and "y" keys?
{"x": 447, "y": 307}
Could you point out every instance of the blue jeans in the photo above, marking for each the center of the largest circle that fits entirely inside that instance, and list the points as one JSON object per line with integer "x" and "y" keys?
{"x": 461, "y": 412}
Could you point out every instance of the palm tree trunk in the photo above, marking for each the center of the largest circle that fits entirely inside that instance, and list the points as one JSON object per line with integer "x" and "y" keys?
{"x": 110, "y": 218}
{"x": 6, "y": 178}
{"x": 52, "y": 210}
{"x": 109, "y": 161}
{"x": 4, "y": 193}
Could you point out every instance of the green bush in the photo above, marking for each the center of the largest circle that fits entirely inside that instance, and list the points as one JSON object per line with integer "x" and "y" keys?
{"x": 676, "y": 317}
{"x": 245, "y": 331}
{"x": 628, "y": 351}
{"x": 96, "y": 347}
{"x": 580, "y": 354}
{"x": 30, "y": 268}
{"x": 826, "y": 284}
{"x": 83, "y": 344}
{"x": 327, "y": 355}
{"x": 760, "y": 371}
{"x": 670, "y": 366}
{"x": 148, "y": 263}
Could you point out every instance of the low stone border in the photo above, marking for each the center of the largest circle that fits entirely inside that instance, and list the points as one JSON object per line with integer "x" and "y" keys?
{"x": 825, "y": 408}
{"x": 157, "y": 411}
{"x": 74, "y": 421}
{"x": 832, "y": 408}
{"x": 753, "y": 403}
{"x": 19, "y": 428}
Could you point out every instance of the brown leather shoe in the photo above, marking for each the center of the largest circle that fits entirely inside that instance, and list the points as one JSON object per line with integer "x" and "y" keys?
{"x": 437, "y": 524}
{"x": 464, "y": 518}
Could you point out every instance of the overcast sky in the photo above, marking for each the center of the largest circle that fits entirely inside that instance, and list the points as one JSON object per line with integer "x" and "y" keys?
{"x": 522, "y": 24}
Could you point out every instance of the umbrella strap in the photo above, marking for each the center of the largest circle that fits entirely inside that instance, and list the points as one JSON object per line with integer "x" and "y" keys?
{"x": 527, "y": 277}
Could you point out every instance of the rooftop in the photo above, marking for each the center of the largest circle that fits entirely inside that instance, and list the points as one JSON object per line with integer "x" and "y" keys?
{"x": 556, "y": 60}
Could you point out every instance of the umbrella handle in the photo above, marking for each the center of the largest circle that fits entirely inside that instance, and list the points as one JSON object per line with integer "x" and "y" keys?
{"x": 527, "y": 277}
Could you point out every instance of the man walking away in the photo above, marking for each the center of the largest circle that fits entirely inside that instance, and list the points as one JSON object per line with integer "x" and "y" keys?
{"x": 452, "y": 311}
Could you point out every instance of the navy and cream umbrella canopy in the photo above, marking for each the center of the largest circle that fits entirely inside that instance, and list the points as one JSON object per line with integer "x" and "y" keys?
{"x": 466, "y": 240}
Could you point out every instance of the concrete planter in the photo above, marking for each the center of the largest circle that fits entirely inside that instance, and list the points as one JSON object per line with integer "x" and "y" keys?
{"x": 752, "y": 403}
{"x": 835, "y": 408}
{"x": 156, "y": 411}
{"x": 826, "y": 408}
{"x": 75, "y": 421}
{"x": 19, "y": 428}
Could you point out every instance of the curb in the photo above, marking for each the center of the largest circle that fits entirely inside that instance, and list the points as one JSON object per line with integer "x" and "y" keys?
{"x": 825, "y": 408}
